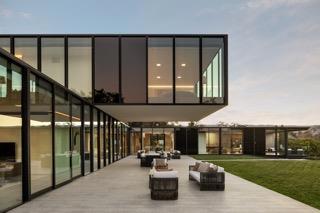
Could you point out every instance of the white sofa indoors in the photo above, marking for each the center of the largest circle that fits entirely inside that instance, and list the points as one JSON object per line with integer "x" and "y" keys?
{"x": 208, "y": 175}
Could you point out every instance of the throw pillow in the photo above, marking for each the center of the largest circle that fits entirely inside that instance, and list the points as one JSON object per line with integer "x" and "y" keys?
{"x": 204, "y": 167}
{"x": 213, "y": 168}
{"x": 196, "y": 166}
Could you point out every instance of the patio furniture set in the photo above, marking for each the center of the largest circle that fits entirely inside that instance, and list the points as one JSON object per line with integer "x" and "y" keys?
{"x": 164, "y": 181}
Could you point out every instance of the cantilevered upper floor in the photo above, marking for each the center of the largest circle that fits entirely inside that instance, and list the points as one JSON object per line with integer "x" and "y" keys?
{"x": 134, "y": 77}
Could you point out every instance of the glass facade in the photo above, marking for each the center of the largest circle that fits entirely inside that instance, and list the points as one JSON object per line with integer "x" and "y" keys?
{"x": 45, "y": 132}
{"x": 26, "y": 49}
{"x": 52, "y": 58}
{"x": 95, "y": 140}
{"x": 87, "y": 139}
{"x": 160, "y": 70}
{"x": 5, "y": 44}
{"x": 212, "y": 70}
{"x": 208, "y": 141}
{"x": 76, "y": 119}
{"x": 187, "y": 70}
{"x": 106, "y": 70}
{"x": 80, "y": 66}
{"x": 133, "y": 70}
{"x": 10, "y": 135}
{"x": 40, "y": 134}
{"x": 62, "y": 136}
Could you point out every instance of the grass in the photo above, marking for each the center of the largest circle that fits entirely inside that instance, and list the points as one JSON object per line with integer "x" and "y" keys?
{"x": 298, "y": 179}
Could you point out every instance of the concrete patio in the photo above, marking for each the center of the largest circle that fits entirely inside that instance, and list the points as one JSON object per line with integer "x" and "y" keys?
{"x": 123, "y": 187}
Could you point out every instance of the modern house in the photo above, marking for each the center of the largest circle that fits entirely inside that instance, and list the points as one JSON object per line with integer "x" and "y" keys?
{"x": 72, "y": 104}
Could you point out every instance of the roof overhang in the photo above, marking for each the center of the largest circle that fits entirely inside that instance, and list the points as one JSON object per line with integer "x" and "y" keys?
{"x": 160, "y": 113}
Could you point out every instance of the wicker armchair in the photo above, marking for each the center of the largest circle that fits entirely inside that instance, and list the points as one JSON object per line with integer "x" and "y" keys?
{"x": 164, "y": 188}
{"x": 209, "y": 180}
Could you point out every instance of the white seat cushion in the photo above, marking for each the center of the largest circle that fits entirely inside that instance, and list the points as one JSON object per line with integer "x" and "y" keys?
{"x": 220, "y": 169}
{"x": 165, "y": 174}
{"x": 195, "y": 175}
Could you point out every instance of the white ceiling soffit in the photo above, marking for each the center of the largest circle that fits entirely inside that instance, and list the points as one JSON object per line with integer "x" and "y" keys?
{"x": 147, "y": 113}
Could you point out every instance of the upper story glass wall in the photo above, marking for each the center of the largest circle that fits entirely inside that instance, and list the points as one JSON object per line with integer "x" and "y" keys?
{"x": 26, "y": 49}
{"x": 160, "y": 70}
{"x": 80, "y": 66}
{"x": 52, "y": 58}
{"x": 5, "y": 44}
{"x": 128, "y": 69}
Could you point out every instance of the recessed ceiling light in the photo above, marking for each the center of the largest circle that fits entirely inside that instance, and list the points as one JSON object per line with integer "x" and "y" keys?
{"x": 158, "y": 65}
{"x": 158, "y": 77}
{"x": 179, "y": 77}
{"x": 183, "y": 65}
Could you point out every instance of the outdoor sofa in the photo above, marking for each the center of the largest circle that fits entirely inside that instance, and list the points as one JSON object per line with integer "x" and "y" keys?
{"x": 209, "y": 176}
{"x": 147, "y": 159}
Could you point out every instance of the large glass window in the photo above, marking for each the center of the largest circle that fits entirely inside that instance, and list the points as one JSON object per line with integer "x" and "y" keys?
{"x": 208, "y": 141}
{"x": 226, "y": 141}
{"x": 107, "y": 140}
{"x": 187, "y": 70}
{"x": 87, "y": 139}
{"x": 5, "y": 44}
{"x": 160, "y": 66}
{"x": 270, "y": 142}
{"x": 10, "y": 136}
{"x": 52, "y": 58}
{"x": 135, "y": 144}
{"x": 75, "y": 137}
{"x": 95, "y": 139}
{"x": 169, "y": 139}
{"x": 62, "y": 136}
{"x": 80, "y": 66}
{"x": 40, "y": 134}
{"x": 133, "y": 70}
{"x": 106, "y": 70}
{"x": 281, "y": 141}
{"x": 236, "y": 141}
{"x": 102, "y": 140}
{"x": 212, "y": 70}
{"x": 27, "y": 50}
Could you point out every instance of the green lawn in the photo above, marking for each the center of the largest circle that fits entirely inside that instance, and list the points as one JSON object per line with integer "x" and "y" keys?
{"x": 299, "y": 179}
{"x": 224, "y": 157}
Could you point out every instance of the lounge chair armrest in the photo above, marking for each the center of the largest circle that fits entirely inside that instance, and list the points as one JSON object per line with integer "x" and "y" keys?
{"x": 191, "y": 167}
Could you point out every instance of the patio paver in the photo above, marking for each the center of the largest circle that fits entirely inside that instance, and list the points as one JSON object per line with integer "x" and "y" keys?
{"x": 123, "y": 187}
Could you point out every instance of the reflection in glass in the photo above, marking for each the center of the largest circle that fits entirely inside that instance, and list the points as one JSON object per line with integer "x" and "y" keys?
{"x": 87, "y": 139}
{"x": 106, "y": 70}
{"x": 40, "y": 135}
{"x": 270, "y": 142}
{"x": 62, "y": 136}
{"x": 80, "y": 66}
{"x": 187, "y": 70}
{"x": 5, "y": 44}
{"x": 26, "y": 49}
{"x": 208, "y": 141}
{"x": 160, "y": 86}
{"x": 133, "y": 70}
{"x": 135, "y": 140}
{"x": 75, "y": 137}
{"x": 10, "y": 136}
{"x": 212, "y": 74}
{"x": 95, "y": 139}
{"x": 52, "y": 58}
{"x": 102, "y": 140}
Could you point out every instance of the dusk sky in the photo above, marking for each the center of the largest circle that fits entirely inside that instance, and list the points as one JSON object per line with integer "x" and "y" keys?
{"x": 274, "y": 45}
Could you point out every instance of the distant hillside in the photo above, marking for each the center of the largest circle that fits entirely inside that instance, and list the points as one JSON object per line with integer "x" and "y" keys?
{"x": 312, "y": 132}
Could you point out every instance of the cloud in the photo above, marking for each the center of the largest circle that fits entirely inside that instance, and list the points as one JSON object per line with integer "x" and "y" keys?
{"x": 8, "y": 13}
{"x": 267, "y": 4}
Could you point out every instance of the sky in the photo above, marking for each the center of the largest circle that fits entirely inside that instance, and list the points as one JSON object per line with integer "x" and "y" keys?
{"x": 274, "y": 45}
